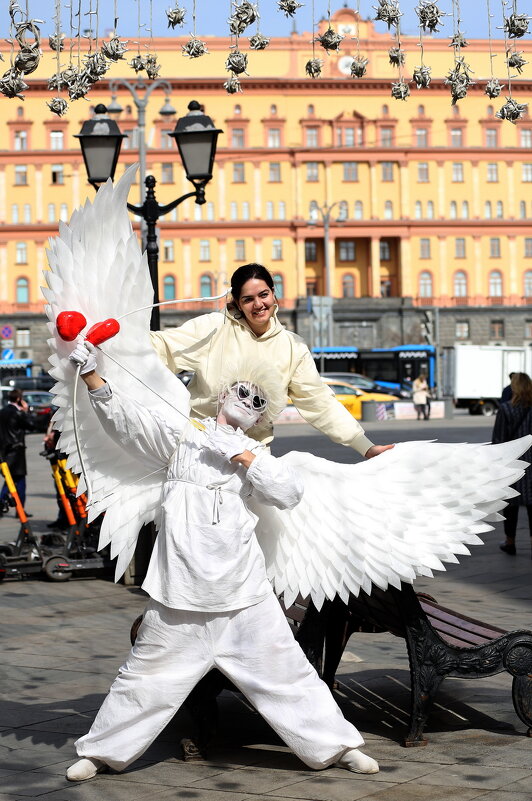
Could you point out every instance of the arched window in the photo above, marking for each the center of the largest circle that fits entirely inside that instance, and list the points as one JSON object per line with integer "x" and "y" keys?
{"x": 490, "y": 111}
{"x": 453, "y": 211}
{"x": 63, "y": 212}
{"x": 273, "y": 110}
{"x": 313, "y": 210}
{"x": 278, "y": 285}
{"x": 522, "y": 209}
{"x": 487, "y": 210}
{"x": 310, "y": 110}
{"x": 359, "y": 210}
{"x": 500, "y": 209}
{"x": 237, "y": 110}
{"x": 385, "y": 110}
{"x": 51, "y": 212}
{"x": 23, "y": 290}
{"x": 430, "y": 210}
{"x": 343, "y": 210}
{"x": 169, "y": 287}
{"x": 348, "y": 286}
{"x": 495, "y": 284}
{"x": 14, "y": 213}
{"x": 527, "y": 281}
{"x": 460, "y": 284}
{"x": 388, "y": 210}
{"x": 425, "y": 284}
{"x": 421, "y": 111}
{"x": 418, "y": 210}
{"x": 206, "y": 286}
{"x": 465, "y": 210}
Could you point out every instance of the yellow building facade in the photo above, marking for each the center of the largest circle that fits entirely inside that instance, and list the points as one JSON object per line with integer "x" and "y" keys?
{"x": 426, "y": 200}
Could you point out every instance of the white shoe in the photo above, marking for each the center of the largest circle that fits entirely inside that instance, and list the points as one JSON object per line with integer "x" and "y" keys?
{"x": 85, "y": 768}
{"x": 358, "y": 762}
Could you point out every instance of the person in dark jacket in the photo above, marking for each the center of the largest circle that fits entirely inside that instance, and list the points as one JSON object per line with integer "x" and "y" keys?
{"x": 14, "y": 423}
{"x": 507, "y": 391}
{"x": 514, "y": 419}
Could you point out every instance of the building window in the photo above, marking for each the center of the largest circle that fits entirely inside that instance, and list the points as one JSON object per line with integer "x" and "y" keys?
{"x": 492, "y": 137}
{"x": 312, "y": 171}
{"x": 418, "y": 210}
{"x": 245, "y": 210}
{"x": 21, "y": 253}
{"x": 349, "y": 137}
{"x": 525, "y": 137}
{"x": 63, "y": 212}
{"x": 21, "y": 140}
{"x": 423, "y": 172}
{"x": 310, "y": 110}
{"x": 453, "y": 210}
{"x": 495, "y": 284}
{"x": 388, "y": 210}
{"x": 237, "y": 110}
{"x": 500, "y": 210}
{"x": 457, "y": 137}
{"x": 14, "y": 213}
{"x": 425, "y": 284}
{"x": 273, "y": 110}
{"x": 58, "y": 176}
{"x": 528, "y": 247}
{"x": 387, "y": 171}
{"x": 347, "y": 250}
{"x": 269, "y": 210}
{"x": 278, "y": 286}
{"x": 527, "y": 173}
{"x": 522, "y": 209}
{"x": 495, "y": 247}
{"x": 422, "y": 137}
{"x": 274, "y": 137}
{"x": 430, "y": 210}
{"x": 311, "y": 286}
{"x": 51, "y": 212}
{"x": 239, "y": 173}
{"x": 386, "y": 137}
{"x": 205, "y": 251}
{"x": 487, "y": 210}
{"x": 233, "y": 210}
{"x": 27, "y": 213}
{"x": 527, "y": 284}
{"x": 21, "y": 175}
{"x": 343, "y": 211}
{"x": 210, "y": 211}
{"x": 240, "y": 249}
{"x": 311, "y": 137}
{"x": 496, "y": 329}
{"x": 275, "y": 172}
{"x": 461, "y": 329}
{"x": 528, "y": 329}
{"x": 386, "y": 288}
{"x": 206, "y": 288}
{"x": 23, "y": 290}
{"x": 198, "y": 212}
{"x": 424, "y": 248}
{"x": 385, "y": 253}
{"x": 311, "y": 250}
{"x": 277, "y": 249}
{"x": 465, "y": 210}
{"x": 168, "y": 250}
{"x": 23, "y": 338}
{"x": 493, "y": 173}
{"x": 237, "y": 137}
{"x": 460, "y": 284}
{"x": 169, "y": 287}
{"x": 348, "y": 286}
{"x": 282, "y": 210}
{"x": 458, "y": 172}
{"x": 459, "y": 248}
{"x": 167, "y": 173}
{"x": 350, "y": 171}
{"x": 57, "y": 140}
{"x": 359, "y": 210}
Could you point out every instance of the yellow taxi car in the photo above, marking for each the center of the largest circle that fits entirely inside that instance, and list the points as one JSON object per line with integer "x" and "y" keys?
{"x": 351, "y": 397}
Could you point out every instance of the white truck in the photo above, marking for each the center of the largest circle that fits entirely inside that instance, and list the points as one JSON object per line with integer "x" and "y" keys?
{"x": 475, "y": 375}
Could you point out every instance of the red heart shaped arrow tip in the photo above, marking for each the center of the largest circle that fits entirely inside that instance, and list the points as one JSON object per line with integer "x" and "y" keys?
{"x": 101, "y": 332}
{"x": 69, "y": 324}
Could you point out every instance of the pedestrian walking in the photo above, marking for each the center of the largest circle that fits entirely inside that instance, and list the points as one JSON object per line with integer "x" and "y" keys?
{"x": 420, "y": 396}
{"x": 514, "y": 419}
{"x": 14, "y": 423}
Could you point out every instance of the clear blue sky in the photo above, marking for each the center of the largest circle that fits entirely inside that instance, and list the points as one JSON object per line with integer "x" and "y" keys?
{"x": 212, "y": 16}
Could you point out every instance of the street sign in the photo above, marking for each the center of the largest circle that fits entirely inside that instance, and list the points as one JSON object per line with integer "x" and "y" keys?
{"x": 8, "y": 355}
{"x": 8, "y": 343}
{"x": 6, "y": 332}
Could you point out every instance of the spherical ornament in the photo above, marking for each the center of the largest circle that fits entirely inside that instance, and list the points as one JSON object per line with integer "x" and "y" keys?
{"x": 313, "y": 67}
{"x": 58, "y": 106}
{"x": 421, "y": 76}
{"x": 236, "y": 62}
{"x": 396, "y": 56}
{"x": 176, "y": 16}
{"x": 152, "y": 67}
{"x": 493, "y": 88}
{"x": 27, "y": 59}
{"x": 232, "y": 85}
{"x": 114, "y": 49}
{"x": 96, "y": 66}
{"x": 512, "y": 110}
{"x": 79, "y": 86}
{"x": 429, "y": 16}
{"x": 515, "y": 59}
{"x": 194, "y": 48}
{"x": 12, "y": 84}
{"x": 330, "y": 40}
{"x": 359, "y": 67}
{"x": 458, "y": 40}
{"x": 138, "y": 63}
{"x": 63, "y": 79}
{"x": 258, "y": 42}
{"x": 56, "y": 42}
{"x": 288, "y": 7}
{"x": 516, "y": 25}
{"x": 400, "y": 90}
{"x": 388, "y": 12}
{"x": 244, "y": 15}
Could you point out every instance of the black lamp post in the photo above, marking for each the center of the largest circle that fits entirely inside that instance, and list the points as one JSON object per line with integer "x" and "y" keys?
{"x": 196, "y": 138}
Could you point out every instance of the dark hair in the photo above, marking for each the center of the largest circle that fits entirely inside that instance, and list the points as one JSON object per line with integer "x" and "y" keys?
{"x": 15, "y": 395}
{"x": 521, "y": 390}
{"x": 244, "y": 273}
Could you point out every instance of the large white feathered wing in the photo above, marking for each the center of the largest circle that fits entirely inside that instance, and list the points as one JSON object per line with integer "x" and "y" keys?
{"x": 97, "y": 268}
{"x": 385, "y": 520}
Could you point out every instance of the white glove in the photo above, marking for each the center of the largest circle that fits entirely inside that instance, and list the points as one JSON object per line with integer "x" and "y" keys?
{"x": 84, "y": 354}
{"x": 228, "y": 444}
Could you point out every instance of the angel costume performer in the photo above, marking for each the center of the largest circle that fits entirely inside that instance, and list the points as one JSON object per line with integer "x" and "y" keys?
{"x": 385, "y": 521}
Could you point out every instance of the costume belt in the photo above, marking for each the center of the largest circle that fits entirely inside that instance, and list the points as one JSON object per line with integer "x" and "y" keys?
{"x": 217, "y": 489}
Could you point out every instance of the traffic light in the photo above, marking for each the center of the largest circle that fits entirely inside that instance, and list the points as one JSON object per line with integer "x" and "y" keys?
{"x": 427, "y": 327}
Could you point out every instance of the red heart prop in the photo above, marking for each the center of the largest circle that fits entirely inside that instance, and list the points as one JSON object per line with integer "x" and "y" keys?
{"x": 69, "y": 324}
{"x": 101, "y": 332}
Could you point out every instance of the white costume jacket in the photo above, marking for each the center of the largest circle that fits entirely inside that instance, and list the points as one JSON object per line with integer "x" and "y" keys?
{"x": 205, "y": 343}
{"x": 206, "y": 556}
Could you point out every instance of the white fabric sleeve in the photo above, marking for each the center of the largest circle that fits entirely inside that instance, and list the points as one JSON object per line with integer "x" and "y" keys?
{"x": 318, "y": 406}
{"x": 141, "y": 432}
{"x": 180, "y": 348}
{"x": 274, "y": 483}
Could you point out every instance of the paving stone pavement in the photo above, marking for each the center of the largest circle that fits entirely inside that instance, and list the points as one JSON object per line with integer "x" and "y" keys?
{"x": 62, "y": 645}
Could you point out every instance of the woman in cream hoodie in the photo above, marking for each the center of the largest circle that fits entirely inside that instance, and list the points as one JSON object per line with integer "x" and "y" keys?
{"x": 250, "y": 325}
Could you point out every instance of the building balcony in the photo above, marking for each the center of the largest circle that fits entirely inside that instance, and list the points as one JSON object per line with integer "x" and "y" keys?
{"x": 461, "y": 300}
{"x": 425, "y": 301}
{"x": 497, "y": 300}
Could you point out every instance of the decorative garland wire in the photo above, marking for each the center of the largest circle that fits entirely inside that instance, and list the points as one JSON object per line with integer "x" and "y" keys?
{"x": 78, "y": 34}
{"x": 357, "y": 27}
{"x": 506, "y": 48}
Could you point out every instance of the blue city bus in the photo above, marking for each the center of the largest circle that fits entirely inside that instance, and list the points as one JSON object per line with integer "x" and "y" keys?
{"x": 395, "y": 368}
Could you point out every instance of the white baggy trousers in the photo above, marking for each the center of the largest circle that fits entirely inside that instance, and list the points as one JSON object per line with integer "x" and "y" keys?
{"x": 254, "y": 647}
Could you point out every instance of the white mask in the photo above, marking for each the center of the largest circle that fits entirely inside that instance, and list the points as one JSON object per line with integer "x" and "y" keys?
{"x": 243, "y": 405}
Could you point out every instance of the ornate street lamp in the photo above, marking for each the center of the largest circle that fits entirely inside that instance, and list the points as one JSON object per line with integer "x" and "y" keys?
{"x": 100, "y": 139}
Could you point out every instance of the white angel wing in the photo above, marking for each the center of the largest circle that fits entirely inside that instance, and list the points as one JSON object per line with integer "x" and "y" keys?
{"x": 385, "y": 520}
{"x": 97, "y": 268}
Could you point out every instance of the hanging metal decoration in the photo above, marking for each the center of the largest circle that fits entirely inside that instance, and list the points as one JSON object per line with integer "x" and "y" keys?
{"x": 516, "y": 25}
{"x": 96, "y": 65}
{"x": 244, "y": 15}
{"x": 12, "y": 84}
{"x": 313, "y": 67}
{"x": 115, "y": 48}
{"x": 459, "y": 77}
{"x": 493, "y": 86}
{"x": 359, "y": 64}
{"x": 232, "y": 85}
{"x": 288, "y": 7}
{"x": 79, "y": 86}
{"x": 396, "y": 56}
{"x": 430, "y": 16}
{"x": 194, "y": 48}
{"x": 512, "y": 110}
{"x": 389, "y": 12}
{"x": 237, "y": 62}
{"x": 422, "y": 76}
{"x": 400, "y": 90}
{"x": 58, "y": 106}
{"x": 56, "y": 41}
{"x": 138, "y": 63}
{"x": 330, "y": 40}
{"x": 152, "y": 66}
{"x": 258, "y": 42}
{"x": 516, "y": 60}
{"x": 458, "y": 40}
{"x": 176, "y": 16}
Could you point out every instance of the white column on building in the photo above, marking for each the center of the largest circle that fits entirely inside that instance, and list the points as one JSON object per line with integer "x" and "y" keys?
{"x": 4, "y": 292}
{"x": 375, "y": 267}
{"x": 373, "y": 193}
{"x": 404, "y": 211}
{"x": 187, "y": 269}
{"x": 257, "y": 190}
{"x": 39, "y": 214}
{"x": 510, "y": 171}
{"x": 405, "y": 267}
{"x": 442, "y": 211}
{"x": 221, "y": 192}
{"x": 475, "y": 172}
{"x": 513, "y": 281}
{"x": 443, "y": 288}
{"x": 3, "y": 199}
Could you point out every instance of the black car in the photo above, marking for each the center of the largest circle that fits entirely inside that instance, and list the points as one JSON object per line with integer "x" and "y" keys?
{"x": 41, "y": 407}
